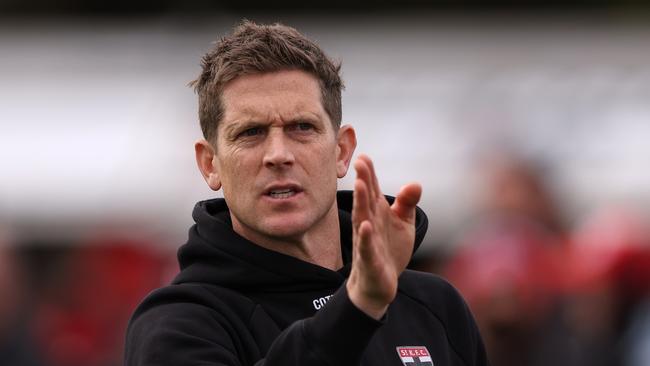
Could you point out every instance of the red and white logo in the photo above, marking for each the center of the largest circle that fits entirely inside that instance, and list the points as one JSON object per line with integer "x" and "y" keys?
{"x": 414, "y": 356}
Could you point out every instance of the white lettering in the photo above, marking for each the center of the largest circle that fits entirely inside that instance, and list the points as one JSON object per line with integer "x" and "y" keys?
{"x": 321, "y": 301}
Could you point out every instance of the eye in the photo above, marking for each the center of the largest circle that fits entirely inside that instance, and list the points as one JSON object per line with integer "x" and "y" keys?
{"x": 254, "y": 131}
{"x": 304, "y": 126}
{"x": 301, "y": 127}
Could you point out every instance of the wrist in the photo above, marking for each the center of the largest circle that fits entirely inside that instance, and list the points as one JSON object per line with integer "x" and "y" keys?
{"x": 373, "y": 308}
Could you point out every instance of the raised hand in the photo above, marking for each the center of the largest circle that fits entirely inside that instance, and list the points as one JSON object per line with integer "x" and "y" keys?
{"x": 383, "y": 237}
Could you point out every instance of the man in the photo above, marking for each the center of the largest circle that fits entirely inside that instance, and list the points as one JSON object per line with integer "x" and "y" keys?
{"x": 284, "y": 270}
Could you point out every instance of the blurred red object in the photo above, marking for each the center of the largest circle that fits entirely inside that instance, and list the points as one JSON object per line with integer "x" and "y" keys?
{"x": 83, "y": 320}
{"x": 513, "y": 258}
{"x": 613, "y": 245}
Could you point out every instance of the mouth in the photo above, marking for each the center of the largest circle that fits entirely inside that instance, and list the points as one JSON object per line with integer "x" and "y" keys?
{"x": 283, "y": 192}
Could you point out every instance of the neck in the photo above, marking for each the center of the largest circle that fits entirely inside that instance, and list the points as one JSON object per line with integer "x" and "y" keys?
{"x": 320, "y": 245}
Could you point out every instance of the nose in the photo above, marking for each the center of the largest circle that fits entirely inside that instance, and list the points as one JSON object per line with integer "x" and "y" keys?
{"x": 277, "y": 153}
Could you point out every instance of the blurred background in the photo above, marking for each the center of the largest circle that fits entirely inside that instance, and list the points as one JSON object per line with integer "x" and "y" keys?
{"x": 527, "y": 123}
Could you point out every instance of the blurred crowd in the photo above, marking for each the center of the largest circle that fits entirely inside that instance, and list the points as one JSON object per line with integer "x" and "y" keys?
{"x": 68, "y": 304}
{"x": 543, "y": 291}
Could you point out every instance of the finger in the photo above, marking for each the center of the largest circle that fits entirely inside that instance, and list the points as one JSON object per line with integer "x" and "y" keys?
{"x": 364, "y": 246}
{"x": 373, "y": 176}
{"x": 406, "y": 201}
{"x": 360, "y": 204}
{"x": 374, "y": 182}
{"x": 363, "y": 174}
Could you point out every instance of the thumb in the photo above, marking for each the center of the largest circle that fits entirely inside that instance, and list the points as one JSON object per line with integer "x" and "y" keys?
{"x": 406, "y": 200}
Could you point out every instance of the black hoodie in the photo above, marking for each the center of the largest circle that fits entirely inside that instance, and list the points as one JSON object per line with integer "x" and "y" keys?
{"x": 236, "y": 303}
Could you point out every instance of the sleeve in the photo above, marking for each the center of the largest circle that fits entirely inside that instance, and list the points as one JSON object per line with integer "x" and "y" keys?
{"x": 179, "y": 334}
{"x": 337, "y": 335}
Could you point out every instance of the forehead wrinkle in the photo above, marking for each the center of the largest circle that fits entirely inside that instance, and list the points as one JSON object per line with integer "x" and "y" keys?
{"x": 244, "y": 114}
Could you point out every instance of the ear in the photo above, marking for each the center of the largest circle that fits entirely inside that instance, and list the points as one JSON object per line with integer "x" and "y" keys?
{"x": 206, "y": 159}
{"x": 346, "y": 143}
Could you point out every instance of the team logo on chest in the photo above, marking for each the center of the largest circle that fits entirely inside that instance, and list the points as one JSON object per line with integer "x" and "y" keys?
{"x": 414, "y": 356}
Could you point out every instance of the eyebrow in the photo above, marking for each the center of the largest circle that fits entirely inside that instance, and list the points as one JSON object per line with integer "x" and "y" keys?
{"x": 233, "y": 129}
{"x": 305, "y": 117}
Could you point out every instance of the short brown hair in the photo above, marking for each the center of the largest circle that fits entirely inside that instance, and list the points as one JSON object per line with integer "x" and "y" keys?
{"x": 253, "y": 49}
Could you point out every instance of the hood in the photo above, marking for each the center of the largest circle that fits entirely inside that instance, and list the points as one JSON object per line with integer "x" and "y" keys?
{"x": 215, "y": 254}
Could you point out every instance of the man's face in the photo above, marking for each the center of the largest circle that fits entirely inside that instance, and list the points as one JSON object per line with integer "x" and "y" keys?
{"x": 278, "y": 156}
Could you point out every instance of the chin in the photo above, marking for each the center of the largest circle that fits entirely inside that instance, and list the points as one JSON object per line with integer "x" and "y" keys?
{"x": 285, "y": 228}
